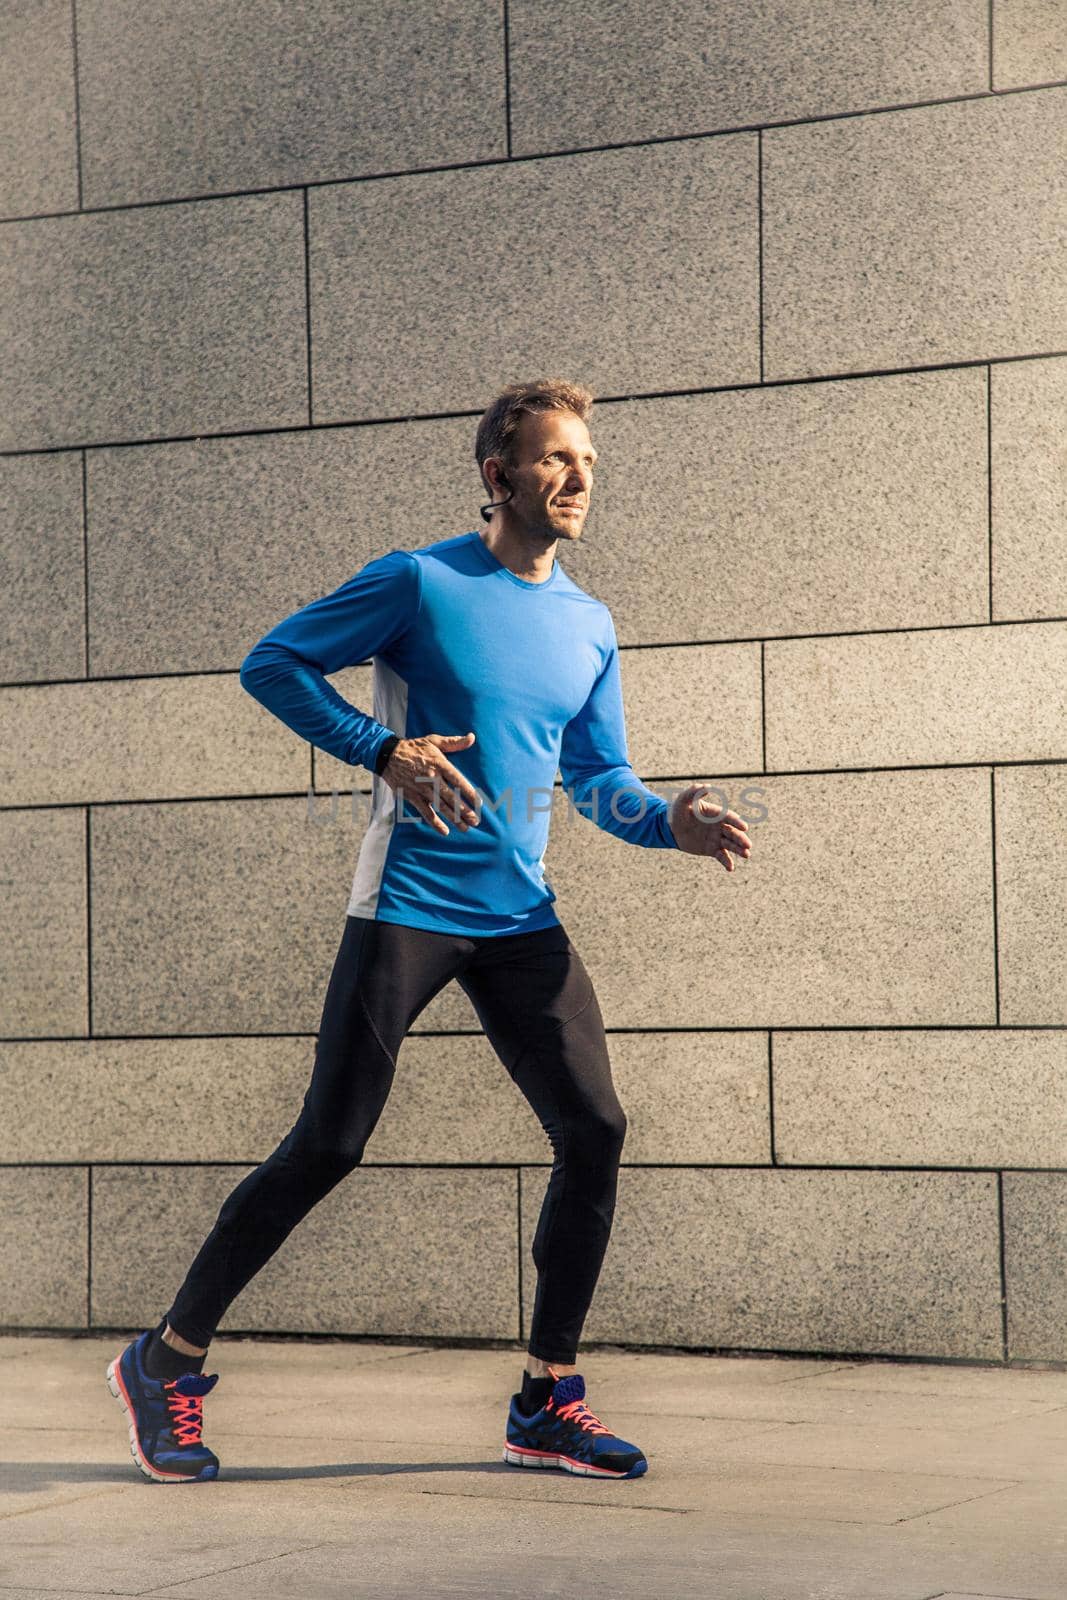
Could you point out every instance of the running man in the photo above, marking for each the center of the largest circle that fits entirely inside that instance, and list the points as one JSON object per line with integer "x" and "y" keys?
{"x": 492, "y": 670}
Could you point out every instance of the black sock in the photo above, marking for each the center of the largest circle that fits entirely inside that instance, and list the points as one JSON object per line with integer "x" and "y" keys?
{"x": 535, "y": 1391}
{"x": 162, "y": 1361}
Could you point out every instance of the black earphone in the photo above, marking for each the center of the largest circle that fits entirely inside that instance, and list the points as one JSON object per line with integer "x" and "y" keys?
{"x": 491, "y": 505}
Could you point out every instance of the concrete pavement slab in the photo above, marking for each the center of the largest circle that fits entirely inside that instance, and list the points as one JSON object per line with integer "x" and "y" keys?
{"x": 947, "y": 1377}
{"x": 36, "y": 1594}
{"x": 369, "y": 1469}
{"x": 673, "y": 1482}
{"x": 57, "y": 1378}
{"x": 563, "y": 1551}
{"x": 1017, "y": 1449}
{"x": 709, "y": 1388}
{"x": 1027, "y": 1515}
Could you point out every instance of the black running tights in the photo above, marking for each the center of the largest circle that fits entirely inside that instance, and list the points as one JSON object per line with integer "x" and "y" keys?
{"x": 536, "y": 1003}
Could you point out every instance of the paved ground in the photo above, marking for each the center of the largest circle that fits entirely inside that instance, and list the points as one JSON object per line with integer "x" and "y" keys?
{"x": 375, "y": 1470}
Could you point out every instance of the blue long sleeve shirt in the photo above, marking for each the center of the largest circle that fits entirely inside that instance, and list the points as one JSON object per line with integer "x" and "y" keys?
{"x": 458, "y": 643}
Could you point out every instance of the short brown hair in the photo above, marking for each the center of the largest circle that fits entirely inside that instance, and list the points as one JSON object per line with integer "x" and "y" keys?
{"x": 496, "y": 430}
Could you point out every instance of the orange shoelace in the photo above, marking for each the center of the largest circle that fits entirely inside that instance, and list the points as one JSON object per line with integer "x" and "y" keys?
{"x": 187, "y": 1411}
{"x": 577, "y": 1411}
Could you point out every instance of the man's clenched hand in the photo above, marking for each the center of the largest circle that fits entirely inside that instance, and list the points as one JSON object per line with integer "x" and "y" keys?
{"x": 418, "y": 769}
{"x": 704, "y": 829}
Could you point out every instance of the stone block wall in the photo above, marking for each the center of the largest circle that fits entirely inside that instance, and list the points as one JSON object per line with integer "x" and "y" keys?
{"x": 261, "y": 270}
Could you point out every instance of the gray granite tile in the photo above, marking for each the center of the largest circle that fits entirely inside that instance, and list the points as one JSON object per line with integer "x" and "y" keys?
{"x": 43, "y": 956}
{"x": 684, "y": 702}
{"x": 144, "y": 739}
{"x": 1035, "y": 1250}
{"x": 43, "y": 1245}
{"x": 1029, "y": 42}
{"x": 901, "y": 1262}
{"x": 411, "y": 1251}
{"x": 38, "y": 144}
{"x": 828, "y": 923}
{"x": 980, "y": 1097}
{"x": 1029, "y": 488}
{"x": 453, "y": 1100}
{"x": 197, "y": 548}
{"x": 42, "y": 568}
{"x": 925, "y": 697}
{"x": 915, "y": 237}
{"x": 693, "y": 68}
{"x": 692, "y": 1096}
{"x": 212, "y": 918}
{"x": 197, "y": 98}
{"x": 689, "y": 1097}
{"x": 808, "y": 508}
{"x": 1031, "y": 868}
{"x": 142, "y": 1100}
{"x": 224, "y": 918}
{"x": 666, "y": 297}
{"x": 105, "y": 339}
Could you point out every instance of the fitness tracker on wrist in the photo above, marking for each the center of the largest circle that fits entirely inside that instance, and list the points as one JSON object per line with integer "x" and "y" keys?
{"x": 385, "y": 752}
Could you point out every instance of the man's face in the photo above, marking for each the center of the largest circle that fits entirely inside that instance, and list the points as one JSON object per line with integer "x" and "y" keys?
{"x": 553, "y": 480}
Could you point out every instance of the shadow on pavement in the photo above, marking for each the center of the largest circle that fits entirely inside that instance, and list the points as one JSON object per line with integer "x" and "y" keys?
{"x": 29, "y": 1476}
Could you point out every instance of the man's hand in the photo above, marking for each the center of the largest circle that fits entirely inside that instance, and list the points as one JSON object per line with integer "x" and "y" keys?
{"x": 418, "y": 769}
{"x": 704, "y": 829}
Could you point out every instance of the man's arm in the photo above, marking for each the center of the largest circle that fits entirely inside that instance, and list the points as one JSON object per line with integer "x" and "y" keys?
{"x": 286, "y": 670}
{"x": 595, "y": 766}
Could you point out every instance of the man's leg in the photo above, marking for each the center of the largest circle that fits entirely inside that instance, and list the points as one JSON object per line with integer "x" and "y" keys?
{"x": 383, "y": 976}
{"x": 537, "y": 1005}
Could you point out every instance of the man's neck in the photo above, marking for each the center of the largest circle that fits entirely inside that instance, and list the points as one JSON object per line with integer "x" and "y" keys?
{"x": 527, "y": 556}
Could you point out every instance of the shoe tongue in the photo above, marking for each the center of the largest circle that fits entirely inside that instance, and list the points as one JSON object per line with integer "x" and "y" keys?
{"x": 572, "y": 1387}
{"x": 191, "y": 1383}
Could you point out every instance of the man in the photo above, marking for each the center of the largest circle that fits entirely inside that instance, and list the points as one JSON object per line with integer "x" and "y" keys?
{"x": 491, "y": 670}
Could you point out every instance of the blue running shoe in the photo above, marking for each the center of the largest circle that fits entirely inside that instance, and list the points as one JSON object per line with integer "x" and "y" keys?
{"x": 565, "y": 1433}
{"x": 165, "y": 1418}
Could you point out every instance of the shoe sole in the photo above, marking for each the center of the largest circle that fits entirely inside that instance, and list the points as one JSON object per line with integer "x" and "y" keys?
{"x": 523, "y": 1456}
{"x": 153, "y": 1474}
